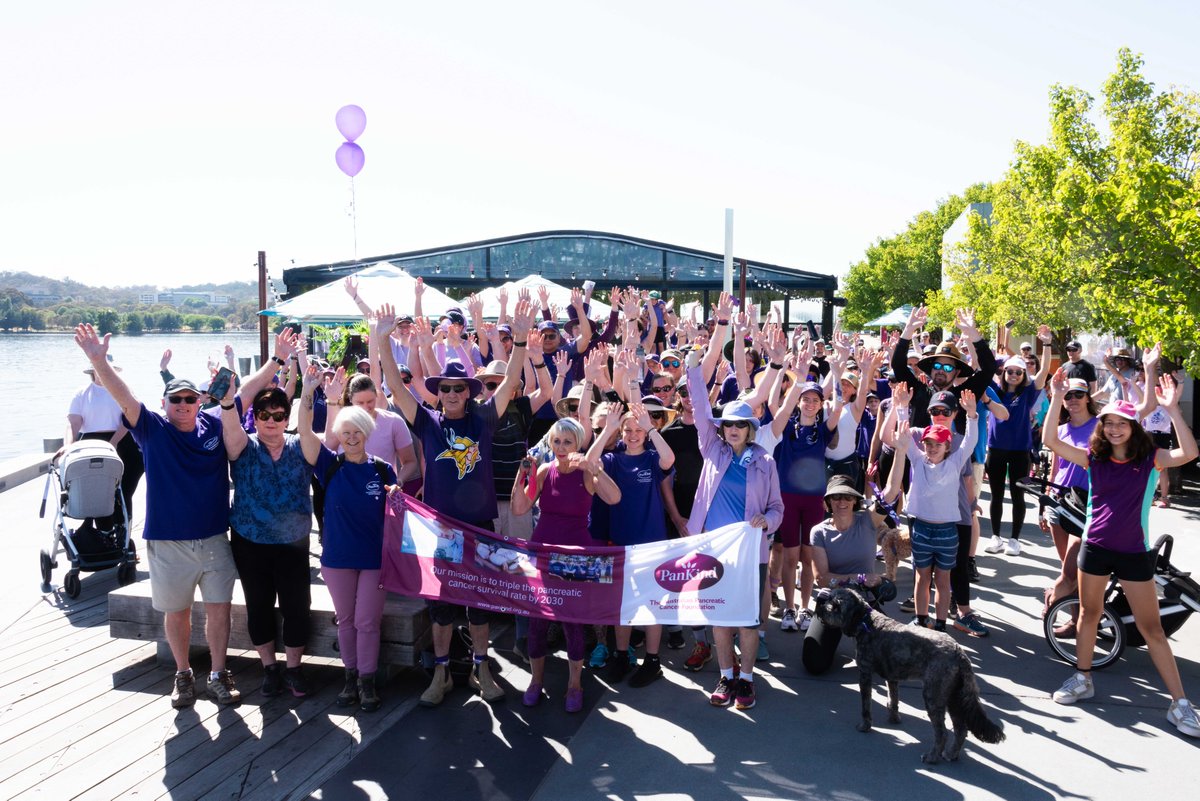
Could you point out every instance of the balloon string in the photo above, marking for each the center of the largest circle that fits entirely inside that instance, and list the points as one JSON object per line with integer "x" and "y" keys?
{"x": 354, "y": 217}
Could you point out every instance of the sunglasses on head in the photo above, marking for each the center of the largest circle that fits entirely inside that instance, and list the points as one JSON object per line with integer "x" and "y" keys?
{"x": 735, "y": 424}
{"x": 1075, "y": 395}
{"x": 670, "y": 362}
{"x": 448, "y": 389}
{"x": 264, "y": 416}
{"x": 188, "y": 399}
{"x": 946, "y": 368}
{"x": 491, "y": 385}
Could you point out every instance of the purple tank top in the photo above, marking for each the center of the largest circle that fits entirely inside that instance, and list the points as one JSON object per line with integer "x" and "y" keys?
{"x": 564, "y": 505}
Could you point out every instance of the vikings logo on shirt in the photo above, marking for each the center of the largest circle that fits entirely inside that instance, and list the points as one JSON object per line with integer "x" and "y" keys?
{"x": 463, "y": 450}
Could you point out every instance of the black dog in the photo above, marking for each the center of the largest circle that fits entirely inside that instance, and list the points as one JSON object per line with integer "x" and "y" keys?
{"x": 899, "y": 652}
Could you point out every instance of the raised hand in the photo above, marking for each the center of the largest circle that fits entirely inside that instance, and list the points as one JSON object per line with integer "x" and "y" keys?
{"x": 335, "y": 384}
{"x": 1151, "y": 357}
{"x": 776, "y": 343}
{"x": 544, "y": 296}
{"x": 1167, "y": 392}
{"x": 965, "y": 319}
{"x": 311, "y": 379}
{"x": 385, "y": 319}
{"x": 93, "y": 347}
{"x": 1058, "y": 382}
{"x": 534, "y": 343}
{"x": 522, "y": 319}
{"x": 561, "y": 360}
{"x": 641, "y": 416}
{"x": 523, "y": 295}
{"x": 351, "y": 286}
{"x": 419, "y": 287}
{"x": 165, "y": 360}
{"x": 724, "y": 307}
{"x": 967, "y": 401}
{"x": 502, "y": 296}
{"x": 1044, "y": 334}
{"x": 474, "y": 306}
{"x": 916, "y": 319}
{"x": 285, "y": 343}
{"x": 901, "y": 395}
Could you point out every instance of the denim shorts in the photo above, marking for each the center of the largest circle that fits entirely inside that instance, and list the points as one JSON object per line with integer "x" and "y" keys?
{"x": 934, "y": 544}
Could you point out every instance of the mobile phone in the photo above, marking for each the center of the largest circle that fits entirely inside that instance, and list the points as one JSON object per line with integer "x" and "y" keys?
{"x": 526, "y": 463}
{"x": 220, "y": 383}
{"x": 812, "y": 331}
{"x": 588, "y": 286}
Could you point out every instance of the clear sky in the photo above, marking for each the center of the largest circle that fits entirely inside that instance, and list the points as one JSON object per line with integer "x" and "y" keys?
{"x": 168, "y": 142}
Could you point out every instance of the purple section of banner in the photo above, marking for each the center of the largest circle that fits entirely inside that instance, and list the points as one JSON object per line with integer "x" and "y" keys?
{"x": 433, "y": 556}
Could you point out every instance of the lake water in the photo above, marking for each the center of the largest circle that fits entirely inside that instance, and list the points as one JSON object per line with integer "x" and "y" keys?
{"x": 42, "y": 372}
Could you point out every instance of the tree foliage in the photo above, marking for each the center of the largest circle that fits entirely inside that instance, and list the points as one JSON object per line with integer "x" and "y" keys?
{"x": 903, "y": 268}
{"x": 1099, "y": 228}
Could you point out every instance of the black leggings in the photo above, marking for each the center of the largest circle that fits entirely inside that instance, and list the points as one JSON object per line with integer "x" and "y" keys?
{"x": 960, "y": 574}
{"x": 268, "y": 571}
{"x": 1014, "y": 464}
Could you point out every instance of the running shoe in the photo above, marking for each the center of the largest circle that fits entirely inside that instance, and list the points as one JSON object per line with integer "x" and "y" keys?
{"x": 763, "y": 654}
{"x": 723, "y": 694}
{"x": 744, "y": 697}
{"x": 996, "y": 545}
{"x": 1076, "y": 688}
{"x": 805, "y": 620}
{"x": 701, "y": 655}
{"x": 1183, "y": 715}
{"x": 184, "y": 693}
{"x": 599, "y": 657}
{"x": 970, "y": 624}
{"x": 1013, "y": 548}
{"x": 789, "y": 621}
{"x": 675, "y": 640}
{"x": 908, "y": 605}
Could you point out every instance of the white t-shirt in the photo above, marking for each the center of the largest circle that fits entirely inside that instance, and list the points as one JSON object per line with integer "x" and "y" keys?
{"x": 847, "y": 428}
{"x": 97, "y": 408}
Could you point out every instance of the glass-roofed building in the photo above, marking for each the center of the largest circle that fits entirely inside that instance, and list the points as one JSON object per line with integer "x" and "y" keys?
{"x": 571, "y": 257}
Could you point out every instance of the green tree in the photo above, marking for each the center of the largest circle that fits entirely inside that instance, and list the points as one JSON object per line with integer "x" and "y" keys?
{"x": 1099, "y": 228}
{"x": 903, "y": 268}
{"x": 133, "y": 323}
{"x": 216, "y": 323}
{"x": 168, "y": 320}
{"x": 107, "y": 322}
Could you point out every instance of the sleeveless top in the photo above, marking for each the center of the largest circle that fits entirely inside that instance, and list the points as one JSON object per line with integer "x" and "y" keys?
{"x": 564, "y": 505}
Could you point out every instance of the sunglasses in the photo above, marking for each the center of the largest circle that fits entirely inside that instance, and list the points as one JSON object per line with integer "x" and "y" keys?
{"x": 1072, "y": 350}
{"x": 597, "y": 431}
{"x": 491, "y": 385}
{"x": 505, "y": 340}
{"x": 670, "y": 362}
{"x": 573, "y": 406}
{"x": 188, "y": 399}
{"x": 448, "y": 389}
{"x": 659, "y": 390}
{"x": 1014, "y": 372}
{"x": 735, "y": 424}
{"x": 946, "y": 368}
{"x": 1076, "y": 395}
{"x": 407, "y": 379}
{"x": 264, "y": 416}
{"x": 940, "y": 413}
{"x": 658, "y": 415}
{"x": 683, "y": 392}
{"x": 843, "y": 498}
{"x": 548, "y": 334}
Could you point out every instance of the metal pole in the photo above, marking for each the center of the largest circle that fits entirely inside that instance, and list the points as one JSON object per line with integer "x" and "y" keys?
{"x": 262, "y": 304}
{"x": 728, "y": 285}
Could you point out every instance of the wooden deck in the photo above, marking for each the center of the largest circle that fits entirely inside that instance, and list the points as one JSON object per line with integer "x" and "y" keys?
{"x": 83, "y": 715}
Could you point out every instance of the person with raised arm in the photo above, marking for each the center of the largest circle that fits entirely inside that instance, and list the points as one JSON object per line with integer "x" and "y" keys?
{"x": 187, "y": 509}
{"x": 457, "y": 439}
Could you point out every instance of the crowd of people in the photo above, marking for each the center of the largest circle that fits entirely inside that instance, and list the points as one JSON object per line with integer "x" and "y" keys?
{"x": 638, "y": 428}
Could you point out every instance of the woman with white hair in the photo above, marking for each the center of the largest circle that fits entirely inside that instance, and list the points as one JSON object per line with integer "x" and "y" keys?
{"x": 356, "y": 487}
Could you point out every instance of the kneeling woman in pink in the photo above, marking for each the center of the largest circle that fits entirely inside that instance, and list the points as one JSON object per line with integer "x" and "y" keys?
{"x": 356, "y": 487}
{"x": 564, "y": 489}
{"x": 738, "y": 483}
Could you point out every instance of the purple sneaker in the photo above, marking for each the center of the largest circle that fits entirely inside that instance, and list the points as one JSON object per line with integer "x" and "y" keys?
{"x": 574, "y": 701}
{"x": 533, "y": 695}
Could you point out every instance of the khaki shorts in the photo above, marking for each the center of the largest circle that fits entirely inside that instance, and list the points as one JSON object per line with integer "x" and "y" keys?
{"x": 177, "y": 567}
{"x": 510, "y": 525}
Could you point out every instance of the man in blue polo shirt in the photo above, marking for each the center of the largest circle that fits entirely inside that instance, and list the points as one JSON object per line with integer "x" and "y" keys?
{"x": 187, "y": 509}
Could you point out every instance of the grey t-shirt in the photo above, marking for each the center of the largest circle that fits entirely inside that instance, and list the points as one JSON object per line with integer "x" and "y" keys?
{"x": 851, "y": 551}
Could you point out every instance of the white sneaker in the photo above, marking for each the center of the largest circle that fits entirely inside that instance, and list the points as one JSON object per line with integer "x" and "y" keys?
{"x": 805, "y": 620}
{"x": 996, "y": 547}
{"x": 1183, "y": 715}
{"x": 1013, "y": 548}
{"x": 1077, "y": 688}
{"x": 789, "y": 621}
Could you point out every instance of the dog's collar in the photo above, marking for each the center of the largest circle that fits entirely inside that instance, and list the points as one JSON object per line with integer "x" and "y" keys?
{"x": 865, "y": 625}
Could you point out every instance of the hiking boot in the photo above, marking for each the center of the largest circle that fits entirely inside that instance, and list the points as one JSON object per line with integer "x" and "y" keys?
{"x": 441, "y": 684}
{"x": 649, "y": 671}
{"x": 1013, "y": 547}
{"x": 349, "y": 694}
{"x": 675, "y": 640}
{"x": 723, "y": 694}
{"x": 805, "y": 620}
{"x": 599, "y": 657}
{"x": 995, "y": 546}
{"x": 701, "y": 655}
{"x": 1183, "y": 715}
{"x": 1076, "y": 688}
{"x": 744, "y": 696}
{"x": 222, "y": 689}
{"x": 184, "y": 694}
{"x": 971, "y": 625}
{"x": 908, "y": 605}
{"x": 272, "y": 680}
{"x": 294, "y": 680}
{"x": 789, "y": 621}
{"x": 368, "y": 698}
{"x": 481, "y": 679}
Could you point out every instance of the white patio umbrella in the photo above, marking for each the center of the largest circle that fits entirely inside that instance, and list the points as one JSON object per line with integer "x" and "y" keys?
{"x": 380, "y": 283}
{"x": 559, "y": 296}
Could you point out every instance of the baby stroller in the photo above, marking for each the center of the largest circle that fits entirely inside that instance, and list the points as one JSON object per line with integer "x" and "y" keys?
{"x": 88, "y": 481}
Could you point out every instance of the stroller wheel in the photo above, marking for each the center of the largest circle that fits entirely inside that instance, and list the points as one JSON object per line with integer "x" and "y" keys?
{"x": 72, "y": 585}
{"x": 126, "y": 573}
{"x": 47, "y": 566}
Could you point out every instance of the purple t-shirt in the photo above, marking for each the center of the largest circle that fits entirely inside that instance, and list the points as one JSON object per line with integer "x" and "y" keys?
{"x": 1118, "y": 513}
{"x": 1069, "y": 474}
{"x": 187, "y": 477}
{"x": 1015, "y": 433}
{"x": 354, "y": 505}
{"x": 639, "y": 517}
{"x": 800, "y": 457}
{"x": 458, "y": 461}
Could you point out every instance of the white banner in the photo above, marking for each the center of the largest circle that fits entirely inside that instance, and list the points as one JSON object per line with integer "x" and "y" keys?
{"x": 706, "y": 579}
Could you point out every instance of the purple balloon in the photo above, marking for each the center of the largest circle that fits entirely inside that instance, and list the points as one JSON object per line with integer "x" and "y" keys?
{"x": 350, "y": 158}
{"x": 351, "y": 122}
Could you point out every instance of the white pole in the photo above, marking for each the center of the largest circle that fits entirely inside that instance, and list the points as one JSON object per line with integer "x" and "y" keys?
{"x": 729, "y": 251}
